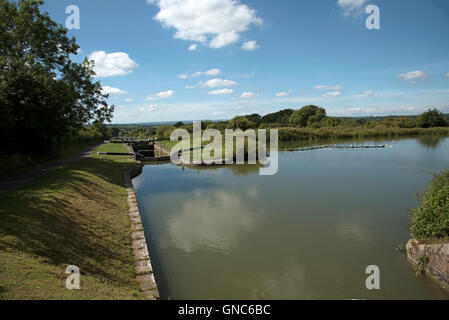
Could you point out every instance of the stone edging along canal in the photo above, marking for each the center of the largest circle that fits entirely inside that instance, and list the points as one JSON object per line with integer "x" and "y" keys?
{"x": 141, "y": 256}
{"x": 433, "y": 258}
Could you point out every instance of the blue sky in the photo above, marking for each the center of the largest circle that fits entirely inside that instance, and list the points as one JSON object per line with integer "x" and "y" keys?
{"x": 165, "y": 60}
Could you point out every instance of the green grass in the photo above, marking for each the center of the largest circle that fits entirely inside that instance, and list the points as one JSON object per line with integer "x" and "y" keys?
{"x": 76, "y": 215}
{"x": 115, "y": 148}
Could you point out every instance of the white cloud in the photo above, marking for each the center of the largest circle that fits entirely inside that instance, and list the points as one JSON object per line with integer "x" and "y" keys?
{"x": 193, "y": 47}
{"x": 447, "y": 75}
{"x": 351, "y": 6}
{"x": 112, "y": 64}
{"x": 113, "y": 91}
{"x": 211, "y": 72}
{"x": 129, "y": 100}
{"x": 214, "y": 83}
{"x": 248, "y": 95}
{"x": 182, "y": 76}
{"x": 250, "y": 45}
{"x": 150, "y": 108}
{"x": 79, "y": 51}
{"x": 221, "y": 91}
{"x": 338, "y": 87}
{"x": 190, "y": 87}
{"x": 224, "y": 39}
{"x": 284, "y": 94}
{"x": 413, "y": 75}
{"x": 332, "y": 94}
{"x": 217, "y": 23}
{"x": 219, "y": 113}
{"x": 160, "y": 95}
{"x": 348, "y": 111}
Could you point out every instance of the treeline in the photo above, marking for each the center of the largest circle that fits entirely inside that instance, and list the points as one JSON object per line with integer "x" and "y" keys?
{"x": 315, "y": 117}
{"x": 47, "y": 101}
{"x": 312, "y": 121}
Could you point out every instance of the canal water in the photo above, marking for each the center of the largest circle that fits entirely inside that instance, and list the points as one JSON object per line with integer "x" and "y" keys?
{"x": 308, "y": 232}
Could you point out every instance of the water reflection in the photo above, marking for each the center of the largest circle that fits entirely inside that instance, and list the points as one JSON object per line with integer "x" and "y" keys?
{"x": 431, "y": 142}
{"x": 354, "y": 230}
{"x": 287, "y": 282}
{"x": 214, "y": 221}
{"x": 238, "y": 169}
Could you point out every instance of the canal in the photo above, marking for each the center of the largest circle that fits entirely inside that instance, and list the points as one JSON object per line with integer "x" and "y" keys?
{"x": 308, "y": 232}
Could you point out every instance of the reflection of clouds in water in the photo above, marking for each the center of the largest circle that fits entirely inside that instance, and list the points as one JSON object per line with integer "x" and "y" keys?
{"x": 286, "y": 283}
{"x": 252, "y": 193}
{"x": 137, "y": 182}
{"x": 216, "y": 222}
{"x": 351, "y": 229}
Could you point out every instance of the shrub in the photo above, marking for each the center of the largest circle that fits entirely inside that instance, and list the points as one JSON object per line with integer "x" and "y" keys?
{"x": 430, "y": 220}
{"x": 432, "y": 118}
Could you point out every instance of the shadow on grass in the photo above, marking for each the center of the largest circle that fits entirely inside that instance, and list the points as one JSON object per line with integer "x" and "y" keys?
{"x": 75, "y": 215}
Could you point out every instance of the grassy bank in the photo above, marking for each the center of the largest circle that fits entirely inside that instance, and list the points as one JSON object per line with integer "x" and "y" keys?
{"x": 72, "y": 216}
{"x": 430, "y": 220}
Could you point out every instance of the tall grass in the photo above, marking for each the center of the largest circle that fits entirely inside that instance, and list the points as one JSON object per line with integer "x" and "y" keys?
{"x": 295, "y": 134}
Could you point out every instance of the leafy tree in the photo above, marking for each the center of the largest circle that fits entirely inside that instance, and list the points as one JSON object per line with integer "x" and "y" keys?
{"x": 179, "y": 124}
{"x": 44, "y": 96}
{"x": 256, "y": 118}
{"x": 114, "y": 132}
{"x": 307, "y": 116}
{"x": 240, "y": 123}
{"x": 432, "y": 118}
{"x": 164, "y": 131}
{"x": 220, "y": 126}
{"x": 281, "y": 118}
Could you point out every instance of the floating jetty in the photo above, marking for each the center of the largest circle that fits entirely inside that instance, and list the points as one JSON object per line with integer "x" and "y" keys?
{"x": 341, "y": 146}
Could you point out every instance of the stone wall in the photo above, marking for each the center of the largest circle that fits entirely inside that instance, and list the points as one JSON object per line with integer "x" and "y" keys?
{"x": 142, "y": 262}
{"x": 160, "y": 151}
{"x": 435, "y": 258}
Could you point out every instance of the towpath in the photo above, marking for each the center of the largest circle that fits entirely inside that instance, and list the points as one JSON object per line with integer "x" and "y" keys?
{"x": 10, "y": 183}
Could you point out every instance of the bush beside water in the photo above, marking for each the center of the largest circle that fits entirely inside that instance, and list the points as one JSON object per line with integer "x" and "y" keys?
{"x": 430, "y": 220}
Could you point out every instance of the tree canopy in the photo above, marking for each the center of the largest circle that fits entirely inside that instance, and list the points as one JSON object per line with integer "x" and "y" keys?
{"x": 432, "y": 118}
{"x": 307, "y": 116}
{"x": 240, "y": 123}
{"x": 44, "y": 96}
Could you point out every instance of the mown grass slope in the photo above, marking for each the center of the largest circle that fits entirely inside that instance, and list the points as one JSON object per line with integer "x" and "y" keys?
{"x": 72, "y": 216}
